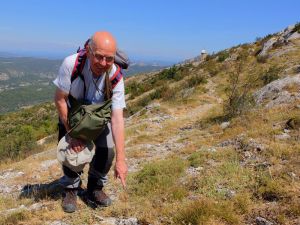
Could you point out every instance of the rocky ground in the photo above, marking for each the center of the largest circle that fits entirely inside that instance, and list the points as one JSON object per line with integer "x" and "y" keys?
{"x": 240, "y": 170}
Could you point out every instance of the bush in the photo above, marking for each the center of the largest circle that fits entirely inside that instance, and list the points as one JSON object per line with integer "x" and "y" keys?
{"x": 169, "y": 93}
{"x": 195, "y": 80}
{"x": 158, "y": 177}
{"x": 21, "y": 130}
{"x": 222, "y": 56}
{"x": 269, "y": 189}
{"x": 135, "y": 89}
{"x": 261, "y": 59}
{"x": 174, "y": 73}
{"x": 296, "y": 28}
{"x": 239, "y": 98}
{"x": 168, "y": 73}
{"x": 204, "y": 210}
{"x": 271, "y": 75}
{"x": 211, "y": 67}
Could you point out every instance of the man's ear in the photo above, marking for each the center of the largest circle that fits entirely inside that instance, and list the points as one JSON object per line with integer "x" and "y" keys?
{"x": 87, "y": 49}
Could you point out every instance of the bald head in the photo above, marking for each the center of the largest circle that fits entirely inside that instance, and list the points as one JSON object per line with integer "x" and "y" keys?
{"x": 104, "y": 41}
{"x": 101, "y": 52}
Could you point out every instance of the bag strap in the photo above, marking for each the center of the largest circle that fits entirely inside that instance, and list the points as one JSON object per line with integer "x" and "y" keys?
{"x": 118, "y": 75}
{"x": 108, "y": 87}
{"x": 110, "y": 83}
{"x": 78, "y": 67}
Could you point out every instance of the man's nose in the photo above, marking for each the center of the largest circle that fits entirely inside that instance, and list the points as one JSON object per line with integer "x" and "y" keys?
{"x": 103, "y": 62}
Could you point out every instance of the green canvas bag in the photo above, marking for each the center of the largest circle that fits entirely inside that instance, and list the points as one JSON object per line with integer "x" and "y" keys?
{"x": 87, "y": 121}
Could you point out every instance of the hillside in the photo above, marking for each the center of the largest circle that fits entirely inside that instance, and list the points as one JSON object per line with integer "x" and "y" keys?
{"x": 208, "y": 142}
{"x": 26, "y": 81}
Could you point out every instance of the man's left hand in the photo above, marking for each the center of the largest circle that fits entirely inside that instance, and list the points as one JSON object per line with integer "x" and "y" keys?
{"x": 121, "y": 171}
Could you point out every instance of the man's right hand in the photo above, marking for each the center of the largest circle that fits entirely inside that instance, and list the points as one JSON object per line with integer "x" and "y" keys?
{"x": 77, "y": 145}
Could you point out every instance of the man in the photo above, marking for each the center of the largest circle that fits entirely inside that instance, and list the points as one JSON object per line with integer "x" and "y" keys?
{"x": 100, "y": 53}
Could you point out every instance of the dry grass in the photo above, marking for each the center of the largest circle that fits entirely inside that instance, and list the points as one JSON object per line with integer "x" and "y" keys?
{"x": 227, "y": 187}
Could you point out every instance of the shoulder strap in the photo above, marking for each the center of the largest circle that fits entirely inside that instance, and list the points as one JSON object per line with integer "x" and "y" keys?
{"x": 112, "y": 82}
{"x": 79, "y": 64}
{"x": 116, "y": 77}
{"x": 78, "y": 67}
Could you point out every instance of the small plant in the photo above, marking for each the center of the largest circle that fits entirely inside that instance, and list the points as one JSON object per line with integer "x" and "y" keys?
{"x": 271, "y": 75}
{"x": 159, "y": 177}
{"x": 14, "y": 218}
{"x": 262, "y": 58}
{"x": 296, "y": 28}
{"x": 195, "y": 80}
{"x": 269, "y": 189}
{"x": 258, "y": 39}
{"x": 239, "y": 98}
{"x": 266, "y": 38}
{"x": 211, "y": 67}
{"x": 203, "y": 211}
{"x": 199, "y": 158}
{"x": 222, "y": 56}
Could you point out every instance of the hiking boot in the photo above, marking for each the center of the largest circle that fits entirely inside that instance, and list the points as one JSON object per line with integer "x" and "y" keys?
{"x": 100, "y": 198}
{"x": 69, "y": 202}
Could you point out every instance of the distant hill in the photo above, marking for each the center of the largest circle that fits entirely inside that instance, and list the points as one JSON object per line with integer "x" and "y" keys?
{"x": 27, "y": 81}
{"x": 141, "y": 67}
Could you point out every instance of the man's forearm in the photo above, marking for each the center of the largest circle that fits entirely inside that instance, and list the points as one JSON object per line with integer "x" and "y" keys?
{"x": 63, "y": 114}
{"x": 62, "y": 109}
{"x": 118, "y": 136}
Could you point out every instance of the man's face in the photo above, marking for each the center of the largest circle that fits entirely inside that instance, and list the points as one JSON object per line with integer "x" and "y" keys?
{"x": 100, "y": 59}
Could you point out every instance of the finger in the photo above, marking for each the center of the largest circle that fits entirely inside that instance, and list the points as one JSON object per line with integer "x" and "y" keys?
{"x": 122, "y": 178}
{"x": 77, "y": 149}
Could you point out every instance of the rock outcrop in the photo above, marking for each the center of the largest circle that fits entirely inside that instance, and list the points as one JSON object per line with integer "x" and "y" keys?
{"x": 276, "y": 92}
{"x": 279, "y": 39}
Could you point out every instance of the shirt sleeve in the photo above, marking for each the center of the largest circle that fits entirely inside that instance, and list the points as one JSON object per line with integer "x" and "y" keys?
{"x": 118, "y": 98}
{"x": 63, "y": 80}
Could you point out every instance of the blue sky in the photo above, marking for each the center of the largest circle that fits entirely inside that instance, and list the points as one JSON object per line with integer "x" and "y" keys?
{"x": 158, "y": 29}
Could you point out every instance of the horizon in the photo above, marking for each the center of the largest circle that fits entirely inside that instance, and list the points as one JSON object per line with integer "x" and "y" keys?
{"x": 165, "y": 31}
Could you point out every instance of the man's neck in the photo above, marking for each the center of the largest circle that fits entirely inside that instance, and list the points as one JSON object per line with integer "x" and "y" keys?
{"x": 95, "y": 75}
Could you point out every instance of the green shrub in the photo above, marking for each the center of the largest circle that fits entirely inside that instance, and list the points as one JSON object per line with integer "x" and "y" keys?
{"x": 157, "y": 93}
{"x": 172, "y": 74}
{"x": 294, "y": 207}
{"x": 222, "y": 56}
{"x": 296, "y": 28}
{"x": 158, "y": 177}
{"x": 238, "y": 101}
{"x": 135, "y": 89}
{"x": 202, "y": 211}
{"x": 169, "y": 93}
{"x": 267, "y": 37}
{"x": 211, "y": 67}
{"x": 271, "y": 75}
{"x": 197, "y": 159}
{"x": 269, "y": 188}
{"x": 14, "y": 218}
{"x": 168, "y": 73}
{"x": 262, "y": 59}
{"x": 21, "y": 130}
{"x": 194, "y": 81}
{"x": 239, "y": 98}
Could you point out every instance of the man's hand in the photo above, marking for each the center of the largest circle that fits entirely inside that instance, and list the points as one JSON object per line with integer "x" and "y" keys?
{"x": 77, "y": 145}
{"x": 121, "y": 172}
